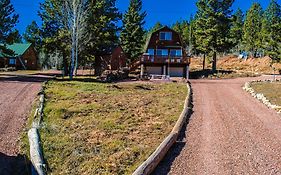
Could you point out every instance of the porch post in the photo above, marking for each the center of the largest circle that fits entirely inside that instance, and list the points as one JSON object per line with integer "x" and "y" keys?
{"x": 142, "y": 71}
{"x": 187, "y": 72}
{"x": 164, "y": 70}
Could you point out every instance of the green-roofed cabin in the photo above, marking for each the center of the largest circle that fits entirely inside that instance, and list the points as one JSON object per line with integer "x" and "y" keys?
{"x": 165, "y": 55}
{"x": 24, "y": 57}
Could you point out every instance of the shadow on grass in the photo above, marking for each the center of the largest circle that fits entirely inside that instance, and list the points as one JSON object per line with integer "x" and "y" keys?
{"x": 82, "y": 79}
{"x": 207, "y": 72}
{"x": 24, "y": 78}
{"x": 14, "y": 165}
{"x": 164, "y": 166}
{"x": 94, "y": 79}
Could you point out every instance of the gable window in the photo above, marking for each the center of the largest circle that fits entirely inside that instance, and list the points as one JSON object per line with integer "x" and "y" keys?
{"x": 12, "y": 61}
{"x": 162, "y": 52}
{"x": 176, "y": 53}
{"x": 167, "y": 36}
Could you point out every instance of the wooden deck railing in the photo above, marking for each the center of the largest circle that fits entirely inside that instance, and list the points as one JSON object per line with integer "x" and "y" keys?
{"x": 164, "y": 59}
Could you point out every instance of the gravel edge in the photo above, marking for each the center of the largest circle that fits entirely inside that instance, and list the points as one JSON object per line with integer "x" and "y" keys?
{"x": 248, "y": 88}
{"x": 38, "y": 166}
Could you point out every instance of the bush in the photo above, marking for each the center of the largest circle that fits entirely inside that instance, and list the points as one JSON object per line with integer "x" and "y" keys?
{"x": 114, "y": 75}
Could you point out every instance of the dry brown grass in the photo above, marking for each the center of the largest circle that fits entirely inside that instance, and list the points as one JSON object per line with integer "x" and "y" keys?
{"x": 94, "y": 128}
{"x": 272, "y": 91}
{"x": 251, "y": 65}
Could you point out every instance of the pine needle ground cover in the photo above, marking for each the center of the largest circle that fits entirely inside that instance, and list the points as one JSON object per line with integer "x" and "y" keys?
{"x": 94, "y": 128}
{"x": 272, "y": 91}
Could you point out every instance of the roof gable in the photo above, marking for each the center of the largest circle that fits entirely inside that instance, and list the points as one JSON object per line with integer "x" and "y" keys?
{"x": 164, "y": 28}
{"x": 18, "y": 48}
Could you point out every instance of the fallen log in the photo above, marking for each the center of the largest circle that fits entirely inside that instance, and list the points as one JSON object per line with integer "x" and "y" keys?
{"x": 36, "y": 154}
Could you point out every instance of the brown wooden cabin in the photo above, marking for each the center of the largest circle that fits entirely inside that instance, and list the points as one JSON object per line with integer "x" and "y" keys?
{"x": 24, "y": 57}
{"x": 114, "y": 60}
{"x": 165, "y": 54}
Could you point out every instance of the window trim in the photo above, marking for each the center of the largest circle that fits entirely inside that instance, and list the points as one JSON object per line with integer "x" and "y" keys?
{"x": 166, "y": 36}
{"x": 176, "y": 50}
{"x": 162, "y": 52}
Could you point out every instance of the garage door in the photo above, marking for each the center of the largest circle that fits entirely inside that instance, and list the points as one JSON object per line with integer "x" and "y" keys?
{"x": 154, "y": 70}
{"x": 176, "y": 71}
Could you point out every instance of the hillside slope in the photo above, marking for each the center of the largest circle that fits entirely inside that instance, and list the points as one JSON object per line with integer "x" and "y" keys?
{"x": 233, "y": 63}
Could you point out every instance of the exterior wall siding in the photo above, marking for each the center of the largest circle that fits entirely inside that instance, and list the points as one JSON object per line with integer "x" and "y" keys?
{"x": 118, "y": 59}
{"x": 29, "y": 58}
{"x": 176, "y": 64}
{"x": 115, "y": 61}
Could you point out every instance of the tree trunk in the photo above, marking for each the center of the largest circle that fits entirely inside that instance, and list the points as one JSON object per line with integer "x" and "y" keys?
{"x": 214, "y": 68}
{"x": 76, "y": 48}
{"x": 204, "y": 61}
{"x": 65, "y": 64}
{"x": 74, "y": 39}
{"x": 72, "y": 64}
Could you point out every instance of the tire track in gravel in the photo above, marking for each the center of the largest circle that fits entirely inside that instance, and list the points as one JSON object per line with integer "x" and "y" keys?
{"x": 15, "y": 106}
{"x": 229, "y": 132}
{"x": 16, "y": 97}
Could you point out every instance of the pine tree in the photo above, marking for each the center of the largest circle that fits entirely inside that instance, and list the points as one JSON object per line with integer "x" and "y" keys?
{"x": 101, "y": 31}
{"x": 132, "y": 35}
{"x": 8, "y": 21}
{"x": 102, "y": 27}
{"x": 192, "y": 46}
{"x": 182, "y": 27}
{"x": 213, "y": 27}
{"x": 185, "y": 33}
{"x": 33, "y": 35}
{"x": 97, "y": 30}
{"x": 157, "y": 26}
{"x": 236, "y": 31}
{"x": 17, "y": 37}
{"x": 271, "y": 27}
{"x": 55, "y": 37}
{"x": 252, "y": 38}
{"x": 177, "y": 27}
{"x": 148, "y": 33}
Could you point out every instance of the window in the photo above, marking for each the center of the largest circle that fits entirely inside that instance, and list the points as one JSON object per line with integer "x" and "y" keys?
{"x": 166, "y": 36}
{"x": 162, "y": 52}
{"x": 12, "y": 61}
{"x": 176, "y": 53}
{"x": 150, "y": 52}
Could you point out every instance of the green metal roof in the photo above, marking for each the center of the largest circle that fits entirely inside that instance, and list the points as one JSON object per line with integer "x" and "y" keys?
{"x": 18, "y": 48}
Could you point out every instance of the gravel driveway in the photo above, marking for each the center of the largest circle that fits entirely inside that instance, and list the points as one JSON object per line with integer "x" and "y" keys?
{"x": 17, "y": 94}
{"x": 229, "y": 132}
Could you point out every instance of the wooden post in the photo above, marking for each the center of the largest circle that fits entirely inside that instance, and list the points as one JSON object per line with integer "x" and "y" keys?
{"x": 164, "y": 70}
{"x": 142, "y": 71}
{"x": 187, "y": 72}
{"x": 214, "y": 67}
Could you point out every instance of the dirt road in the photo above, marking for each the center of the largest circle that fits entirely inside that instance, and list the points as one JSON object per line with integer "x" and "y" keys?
{"x": 16, "y": 97}
{"x": 229, "y": 132}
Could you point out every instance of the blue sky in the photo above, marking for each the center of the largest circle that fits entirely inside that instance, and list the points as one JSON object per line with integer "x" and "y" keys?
{"x": 164, "y": 11}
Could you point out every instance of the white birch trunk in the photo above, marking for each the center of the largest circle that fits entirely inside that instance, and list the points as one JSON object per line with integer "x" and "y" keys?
{"x": 76, "y": 12}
